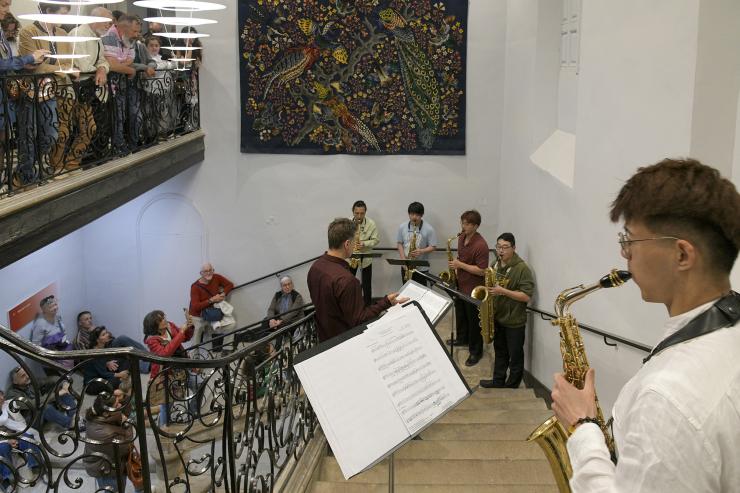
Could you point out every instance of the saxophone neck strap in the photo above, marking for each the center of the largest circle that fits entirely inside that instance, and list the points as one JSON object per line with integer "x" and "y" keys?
{"x": 724, "y": 313}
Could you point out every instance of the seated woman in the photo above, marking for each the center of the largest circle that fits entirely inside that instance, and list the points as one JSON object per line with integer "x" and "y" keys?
{"x": 283, "y": 306}
{"x": 105, "y": 426}
{"x": 164, "y": 338}
{"x": 100, "y": 338}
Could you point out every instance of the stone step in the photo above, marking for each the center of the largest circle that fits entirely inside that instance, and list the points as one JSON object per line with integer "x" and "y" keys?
{"x": 472, "y": 403}
{"x": 496, "y": 416}
{"x": 345, "y": 487}
{"x": 504, "y": 394}
{"x": 465, "y": 432}
{"x": 469, "y": 450}
{"x": 448, "y": 472}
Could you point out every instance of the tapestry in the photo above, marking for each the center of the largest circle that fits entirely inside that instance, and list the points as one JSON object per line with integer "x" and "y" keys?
{"x": 353, "y": 76}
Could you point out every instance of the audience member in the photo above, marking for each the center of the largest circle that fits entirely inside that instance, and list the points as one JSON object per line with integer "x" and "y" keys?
{"x": 48, "y": 331}
{"x": 38, "y": 125}
{"x": 81, "y": 111}
{"x": 60, "y": 409}
{"x": 285, "y": 300}
{"x": 10, "y": 27}
{"x": 164, "y": 338}
{"x": 85, "y": 326}
{"x": 119, "y": 46}
{"x": 208, "y": 290}
{"x": 117, "y": 14}
{"x": 107, "y": 458}
{"x": 24, "y": 439}
{"x": 97, "y": 368}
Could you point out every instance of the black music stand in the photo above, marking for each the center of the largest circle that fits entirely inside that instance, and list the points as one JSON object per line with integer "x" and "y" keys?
{"x": 409, "y": 263}
{"x": 361, "y": 256}
{"x": 455, "y": 295}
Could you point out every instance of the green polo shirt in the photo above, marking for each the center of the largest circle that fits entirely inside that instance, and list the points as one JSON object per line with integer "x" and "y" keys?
{"x": 518, "y": 277}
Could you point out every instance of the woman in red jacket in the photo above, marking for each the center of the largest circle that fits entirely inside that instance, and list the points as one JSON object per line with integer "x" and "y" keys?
{"x": 164, "y": 338}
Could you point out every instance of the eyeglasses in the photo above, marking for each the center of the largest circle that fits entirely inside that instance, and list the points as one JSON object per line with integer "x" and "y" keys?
{"x": 503, "y": 247}
{"x": 625, "y": 242}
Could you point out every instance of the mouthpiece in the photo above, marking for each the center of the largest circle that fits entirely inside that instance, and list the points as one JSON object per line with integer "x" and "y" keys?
{"x": 615, "y": 278}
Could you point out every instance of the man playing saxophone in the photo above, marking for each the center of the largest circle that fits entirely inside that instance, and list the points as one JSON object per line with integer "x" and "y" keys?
{"x": 470, "y": 265}
{"x": 513, "y": 288}
{"x": 418, "y": 233}
{"x": 677, "y": 421}
{"x": 367, "y": 238}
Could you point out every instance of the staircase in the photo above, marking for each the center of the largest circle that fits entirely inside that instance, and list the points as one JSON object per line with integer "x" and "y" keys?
{"x": 478, "y": 447}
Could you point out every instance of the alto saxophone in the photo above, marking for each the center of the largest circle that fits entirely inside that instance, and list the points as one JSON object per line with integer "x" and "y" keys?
{"x": 486, "y": 310}
{"x": 449, "y": 276}
{"x": 412, "y": 247}
{"x": 354, "y": 262}
{"x": 552, "y": 435}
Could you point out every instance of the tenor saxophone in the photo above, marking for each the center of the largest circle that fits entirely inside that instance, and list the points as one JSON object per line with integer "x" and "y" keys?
{"x": 486, "y": 308}
{"x": 449, "y": 276}
{"x": 552, "y": 435}
{"x": 412, "y": 247}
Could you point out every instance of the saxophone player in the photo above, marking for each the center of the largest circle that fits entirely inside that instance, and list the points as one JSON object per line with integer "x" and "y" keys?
{"x": 514, "y": 285}
{"x": 677, "y": 420}
{"x": 367, "y": 238}
{"x": 470, "y": 265}
{"x": 419, "y": 233}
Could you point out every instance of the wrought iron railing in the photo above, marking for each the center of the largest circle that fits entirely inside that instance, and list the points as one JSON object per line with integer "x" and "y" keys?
{"x": 51, "y": 125}
{"x": 236, "y": 423}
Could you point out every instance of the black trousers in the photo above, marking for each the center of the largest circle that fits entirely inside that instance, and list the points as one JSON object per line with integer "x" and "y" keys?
{"x": 468, "y": 326}
{"x": 366, "y": 274}
{"x": 414, "y": 277}
{"x": 508, "y": 348}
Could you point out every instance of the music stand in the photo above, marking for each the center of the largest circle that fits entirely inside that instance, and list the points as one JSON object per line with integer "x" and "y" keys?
{"x": 410, "y": 264}
{"x": 361, "y": 256}
{"x": 455, "y": 295}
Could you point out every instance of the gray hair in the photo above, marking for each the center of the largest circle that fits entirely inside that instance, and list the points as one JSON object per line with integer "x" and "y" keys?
{"x": 285, "y": 279}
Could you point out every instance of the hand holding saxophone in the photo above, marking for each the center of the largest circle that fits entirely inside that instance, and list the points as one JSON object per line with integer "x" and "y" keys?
{"x": 571, "y": 404}
{"x": 497, "y": 290}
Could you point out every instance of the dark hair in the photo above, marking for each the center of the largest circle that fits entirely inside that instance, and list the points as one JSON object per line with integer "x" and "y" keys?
{"x": 472, "y": 217}
{"x": 101, "y": 407}
{"x": 95, "y": 335}
{"x": 687, "y": 199}
{"x": 151, "y": 323}
{"x": 117, "y": 14}
{"x": 45, "y": 301}
{"x": 340, "y": 230}
{"x": 148, "y": 37}
{"x": 52, "y": 8}
{"x": 416, "y": 208}
{"x": 6, "y": 22}
{"x": 79, "y": 316}
{"x": 359, "y": 203}
{"x": 507, "y": 237}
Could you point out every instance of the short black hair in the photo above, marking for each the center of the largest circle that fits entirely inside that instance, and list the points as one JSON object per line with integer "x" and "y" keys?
{"x": 416, "y": 208}
{"x": 151, "y": 322}
{"x": 472, "y": 217}
{"x": 52, "y": 8}
{"x": 95, "y": 335}
{"x": 359, "y": 203}
{"x": 79, "y": 316}
{"x": 507, "y": 237}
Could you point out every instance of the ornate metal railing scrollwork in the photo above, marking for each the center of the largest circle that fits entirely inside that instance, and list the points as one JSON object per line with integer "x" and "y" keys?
{"x": 234, "y": 421}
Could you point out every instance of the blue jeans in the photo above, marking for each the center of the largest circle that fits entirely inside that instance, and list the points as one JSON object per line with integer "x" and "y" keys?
{"x": 127, "y": 101}
{"x": 37, "y": 132}
{"x": 23, "y": 445}
{"x": 62, "y": 418}
{"x": 126, "y": 341}
{"x": 193, "y": 403}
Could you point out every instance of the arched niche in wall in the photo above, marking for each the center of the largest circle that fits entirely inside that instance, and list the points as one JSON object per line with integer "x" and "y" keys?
{"x": 171, "y": 246}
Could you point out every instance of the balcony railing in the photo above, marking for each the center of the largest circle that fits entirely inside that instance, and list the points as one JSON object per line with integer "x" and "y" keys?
{"x": 51, "y": 125}
{"x": 236, "y": 423}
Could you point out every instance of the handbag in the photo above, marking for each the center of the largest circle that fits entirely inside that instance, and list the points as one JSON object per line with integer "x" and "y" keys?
{"x": 133, "y": 467}
{"x": 211, "y": 313}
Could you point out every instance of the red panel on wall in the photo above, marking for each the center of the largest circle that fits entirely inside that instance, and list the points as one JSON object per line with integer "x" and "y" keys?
{"x": 24, "y": 313}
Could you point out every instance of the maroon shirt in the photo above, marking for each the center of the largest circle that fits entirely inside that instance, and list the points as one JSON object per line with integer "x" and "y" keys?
{"x": 200, "y": 293}
{"x": 474, "y": 253}
{"x": 337, "y": 296}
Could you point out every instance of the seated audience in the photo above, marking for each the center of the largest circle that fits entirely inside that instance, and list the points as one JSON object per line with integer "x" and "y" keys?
{"x": 285, "y": 300}
{"x": 48, "y": 331}
{"x": 107, "y": 459}
{"x": 209, "y": 290}
{"x": 99, "y": 367}
{"x": 60, "y": 408}
{"x": 164, "y": 338}
{"x": 25, "y": 441}
{"x": 85, "y": 327}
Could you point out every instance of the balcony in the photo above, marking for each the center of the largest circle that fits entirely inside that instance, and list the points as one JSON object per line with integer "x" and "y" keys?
{"x": 73, "y": 151}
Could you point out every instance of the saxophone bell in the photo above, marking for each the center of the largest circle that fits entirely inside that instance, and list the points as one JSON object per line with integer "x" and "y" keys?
{"x": 449, "y": 276}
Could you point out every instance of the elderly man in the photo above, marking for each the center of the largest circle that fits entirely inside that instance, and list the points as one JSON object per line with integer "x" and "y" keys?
{"x": 93, "y": 73}
{"x": 207, "y": 291}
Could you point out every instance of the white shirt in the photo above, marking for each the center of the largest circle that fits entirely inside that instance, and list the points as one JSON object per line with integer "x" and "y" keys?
{"x": 676, "y": 422}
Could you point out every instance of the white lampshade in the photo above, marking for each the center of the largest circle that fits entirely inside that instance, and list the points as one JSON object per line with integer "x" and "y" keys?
{"x": 180, "y": 5}
{"x": 174, "y": 59}
{"x": 67, "y": 57}
{"x": 78, "y": 2}
{"x": 180, "y": 21}
{"x": 184, "y": 48}
{"x": 66, "y": 39}
{"x": 183, "y": 35}
{"x": 63, "y": 18}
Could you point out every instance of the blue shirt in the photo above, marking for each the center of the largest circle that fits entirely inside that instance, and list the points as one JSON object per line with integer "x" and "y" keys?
{"x": 425, "y": 237}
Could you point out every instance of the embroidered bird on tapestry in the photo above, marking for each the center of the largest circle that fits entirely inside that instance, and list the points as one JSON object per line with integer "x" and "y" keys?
{"x": 420, "y": 84}
{"x": 351, "y": 122}
{"x": 291, "y": 66}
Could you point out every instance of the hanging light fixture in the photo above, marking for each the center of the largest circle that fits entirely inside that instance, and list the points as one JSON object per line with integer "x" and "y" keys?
{"x": 180, "y": 5}
{"x": 181, "y": 21}
{"x": 63, "y": 18}
{"x": 189, "y": 35}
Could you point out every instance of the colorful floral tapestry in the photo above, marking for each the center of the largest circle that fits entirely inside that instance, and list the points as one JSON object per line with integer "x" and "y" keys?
{"x": 353, "y": 76}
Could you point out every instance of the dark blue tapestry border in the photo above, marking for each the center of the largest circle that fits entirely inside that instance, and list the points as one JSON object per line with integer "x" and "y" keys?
{"x": 353, "y": 76}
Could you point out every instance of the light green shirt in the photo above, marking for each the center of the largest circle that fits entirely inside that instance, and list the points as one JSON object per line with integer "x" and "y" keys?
{"x": 369, "y": 238}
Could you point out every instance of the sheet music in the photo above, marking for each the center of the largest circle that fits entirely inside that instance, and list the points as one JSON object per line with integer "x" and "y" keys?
{"x": 431, "y": 302}
{"x": 413, "y": 368}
